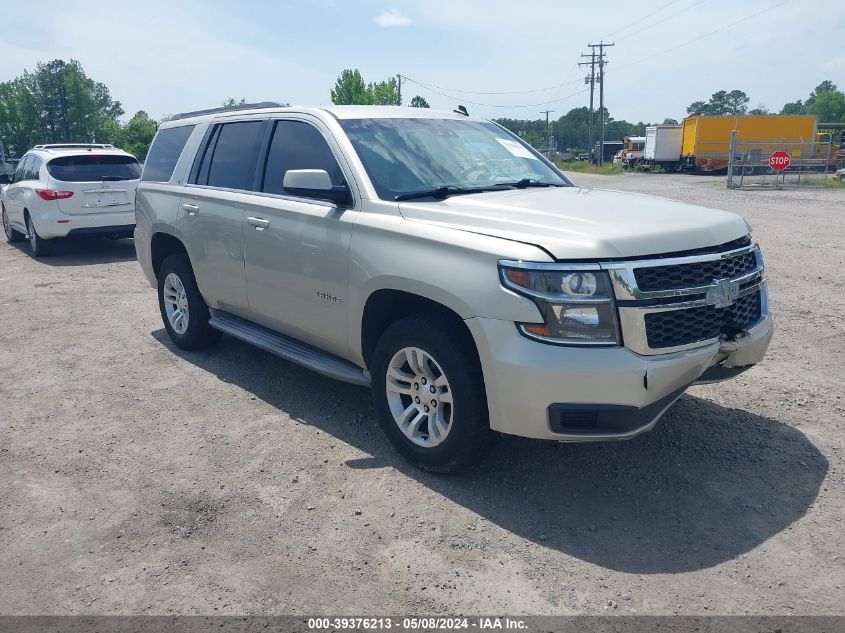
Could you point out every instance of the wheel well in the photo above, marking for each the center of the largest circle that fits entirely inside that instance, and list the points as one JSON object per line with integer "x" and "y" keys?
{"x": 385, "y": 307}
{"x": 162, "y": 245}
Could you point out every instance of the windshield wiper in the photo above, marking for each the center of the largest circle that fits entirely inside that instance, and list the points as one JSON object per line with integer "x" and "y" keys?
{"x": 440, "y": 193}
{"x": 529, "y": 182}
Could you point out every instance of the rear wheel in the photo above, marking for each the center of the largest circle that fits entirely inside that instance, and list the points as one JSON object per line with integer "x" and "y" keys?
{"x": 428, "y": 390}
{"x": 12, "y": 234}
{"x": 40, "y": 247}
{"x": 183, "y": 310}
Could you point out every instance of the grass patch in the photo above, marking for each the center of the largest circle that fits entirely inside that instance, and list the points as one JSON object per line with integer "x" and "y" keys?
{"x": 585, "y": 167}
{"x": 828, "y": 183}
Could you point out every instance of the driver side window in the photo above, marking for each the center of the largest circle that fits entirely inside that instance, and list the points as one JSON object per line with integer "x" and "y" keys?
{"x": 297, "y": 145}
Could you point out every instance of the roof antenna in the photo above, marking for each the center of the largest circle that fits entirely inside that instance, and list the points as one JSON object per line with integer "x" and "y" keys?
{"x": 461, "y": 110}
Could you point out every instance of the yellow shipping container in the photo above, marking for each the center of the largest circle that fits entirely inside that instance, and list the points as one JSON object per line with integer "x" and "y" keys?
{"x": 706, "y": 139}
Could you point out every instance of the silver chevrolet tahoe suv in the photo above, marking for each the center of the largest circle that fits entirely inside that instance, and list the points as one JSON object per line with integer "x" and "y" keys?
{"x": 440, "y": 260}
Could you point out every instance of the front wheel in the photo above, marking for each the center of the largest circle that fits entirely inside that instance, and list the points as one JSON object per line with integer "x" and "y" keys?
{"x": 428, "y": 391}
{"x": 12, "y": 235}
{"x": 183, "y": 310}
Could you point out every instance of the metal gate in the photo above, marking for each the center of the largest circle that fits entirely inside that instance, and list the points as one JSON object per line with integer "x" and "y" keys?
{"x": 755, "y": 164}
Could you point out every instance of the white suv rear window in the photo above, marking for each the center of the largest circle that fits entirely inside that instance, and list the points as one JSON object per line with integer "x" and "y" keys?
{"x": 94, "y": 167}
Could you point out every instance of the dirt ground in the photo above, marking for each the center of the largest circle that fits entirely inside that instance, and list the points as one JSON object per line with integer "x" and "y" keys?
{"x": 136, "y": 478}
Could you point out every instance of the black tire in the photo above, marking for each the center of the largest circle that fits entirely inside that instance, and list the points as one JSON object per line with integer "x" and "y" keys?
{"x": 12, "y": 235}
{"x": 469, "y": 437}
{"x": 198, "y": 333}
{"x": 40, "y": 247}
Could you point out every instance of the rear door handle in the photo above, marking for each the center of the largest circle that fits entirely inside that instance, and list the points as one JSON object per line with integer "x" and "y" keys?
{"x": 192, "y": 209}
{"x": 259, "y": 223}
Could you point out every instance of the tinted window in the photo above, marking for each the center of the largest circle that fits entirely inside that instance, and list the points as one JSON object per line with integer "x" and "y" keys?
{"x": 33, "y": 168}
{"x": 166, "y": 148}
{"x": 21, "y": 170}
{"x": 297, "y": 145}
{"x": 229, "y": 160}
{"x": 91, "y": 167}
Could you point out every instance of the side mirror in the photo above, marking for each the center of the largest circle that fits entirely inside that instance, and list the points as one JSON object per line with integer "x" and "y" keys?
{"x": 4, "y": 179}
{"x": 315, "y": 183}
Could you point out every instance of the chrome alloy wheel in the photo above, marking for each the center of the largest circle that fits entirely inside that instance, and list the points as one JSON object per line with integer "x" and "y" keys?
{"x": 175, "y": 303}
{"x": 419, "y": 397}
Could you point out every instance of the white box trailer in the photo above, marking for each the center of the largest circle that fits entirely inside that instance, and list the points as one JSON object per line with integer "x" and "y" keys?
{"x": 663, "y": 146}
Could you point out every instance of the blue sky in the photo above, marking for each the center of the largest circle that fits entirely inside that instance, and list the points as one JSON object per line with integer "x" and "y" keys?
{"x": 168, "y": 57}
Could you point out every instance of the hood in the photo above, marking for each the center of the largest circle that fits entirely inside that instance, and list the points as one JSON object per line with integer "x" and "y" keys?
{"x": 581, "y": 223}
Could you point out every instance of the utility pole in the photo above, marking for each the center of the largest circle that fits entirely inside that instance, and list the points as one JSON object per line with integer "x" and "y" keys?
{"x": 602, "y": 62}
{"x": 592, "y": 82}
{"x": 399, "y": 95}
{"x": 548, "y": 130}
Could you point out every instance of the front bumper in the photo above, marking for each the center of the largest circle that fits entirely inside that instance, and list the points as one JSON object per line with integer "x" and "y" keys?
{"x": 623, "y": 394}
{"x": 53, "y": 223}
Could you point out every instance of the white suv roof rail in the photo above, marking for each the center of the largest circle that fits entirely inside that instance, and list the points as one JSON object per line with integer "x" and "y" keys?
{"x": 49, "y": 146}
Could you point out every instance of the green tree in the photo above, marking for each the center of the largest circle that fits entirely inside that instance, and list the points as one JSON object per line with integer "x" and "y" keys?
{"x": 419, "y": 102}
{"x": 824, "y": 87}
{"x": 829, "y": 107}
{"x": 721, "y": 102}
{"x": 796, "y": 107}
{"x": 350, "y": 89}
{"x": 135, "y": 137}
{"x": 56, "y": 103}
{"x": 670, "y": 121}
{"x": 760, "y": 109}
{"x": 384, "y": 92}
{"x": 233, "y": 103}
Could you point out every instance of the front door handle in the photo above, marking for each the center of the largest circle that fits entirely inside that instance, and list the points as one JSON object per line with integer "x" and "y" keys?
{"x": 259, "y": 223}
{"x": 192, "y": 209}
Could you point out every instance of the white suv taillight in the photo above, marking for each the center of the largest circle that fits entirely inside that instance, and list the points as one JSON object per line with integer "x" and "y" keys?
{"x": 53, "y": 194}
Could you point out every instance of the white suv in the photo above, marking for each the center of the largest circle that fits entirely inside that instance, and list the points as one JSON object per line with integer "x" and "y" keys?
{"x": 69, "y": 190}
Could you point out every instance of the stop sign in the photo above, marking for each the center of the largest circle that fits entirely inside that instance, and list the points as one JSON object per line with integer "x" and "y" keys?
{"x": 779, "y": 160}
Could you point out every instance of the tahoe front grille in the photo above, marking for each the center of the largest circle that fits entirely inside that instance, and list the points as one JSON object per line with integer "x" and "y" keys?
{"x": 694, "y": 274}
{"x": 682, "y": 327}
{"x": 683, "y": 300}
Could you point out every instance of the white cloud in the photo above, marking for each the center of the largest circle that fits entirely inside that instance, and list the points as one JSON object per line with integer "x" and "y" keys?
{"x": 392, "y": 17}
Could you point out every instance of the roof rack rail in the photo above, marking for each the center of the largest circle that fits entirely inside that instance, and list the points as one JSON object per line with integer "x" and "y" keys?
{"x": 75, "y": 146}
{"x": 245, "y": 106}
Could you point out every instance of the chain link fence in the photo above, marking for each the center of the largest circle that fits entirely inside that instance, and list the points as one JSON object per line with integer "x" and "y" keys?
{"x": 780, "y": 164}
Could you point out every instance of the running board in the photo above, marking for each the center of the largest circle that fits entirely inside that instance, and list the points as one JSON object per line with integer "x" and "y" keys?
{"x": 289, "y": 348}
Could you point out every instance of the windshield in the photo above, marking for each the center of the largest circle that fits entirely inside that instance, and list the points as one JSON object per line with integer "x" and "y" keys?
{"x": 404, "y": 156}
{"x": 94, "y": 167}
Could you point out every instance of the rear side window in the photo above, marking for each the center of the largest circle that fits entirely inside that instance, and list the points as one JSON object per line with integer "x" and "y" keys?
{"x": 33, "y": 169}
{"x": 164, "y": 153}
{"x": 297, "y": 145}
{"x": 93, "y": 168}
{"x": 21, "y": 170}
{"x": 230, "y": 155}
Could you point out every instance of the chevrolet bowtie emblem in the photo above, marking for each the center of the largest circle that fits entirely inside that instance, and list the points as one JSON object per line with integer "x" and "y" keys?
{"x": 724, "y": 293}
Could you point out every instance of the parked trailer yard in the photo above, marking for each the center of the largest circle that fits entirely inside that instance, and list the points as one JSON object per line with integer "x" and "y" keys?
{"x": 137, "y": 478}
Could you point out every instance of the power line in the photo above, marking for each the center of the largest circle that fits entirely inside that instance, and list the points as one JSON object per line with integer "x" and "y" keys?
{"x": 476, "y": 92}
{"x": 493, "y": 105}
{"x": 647, "y": 15}
{"x": 659, "y": 22}
{"x": 701, "y": 37}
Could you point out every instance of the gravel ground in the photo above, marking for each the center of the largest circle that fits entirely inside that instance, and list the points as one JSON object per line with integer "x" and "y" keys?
{"x": 136, "y": 478}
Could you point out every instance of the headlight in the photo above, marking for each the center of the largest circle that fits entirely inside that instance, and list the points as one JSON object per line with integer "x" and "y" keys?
{"x": 577, "y": 304}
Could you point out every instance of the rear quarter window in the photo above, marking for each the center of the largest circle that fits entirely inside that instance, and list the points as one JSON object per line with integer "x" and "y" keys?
{"x": 164, "y": 153}
{"x": 94, "y": 167}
